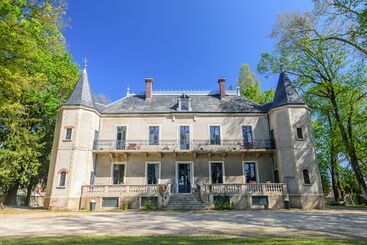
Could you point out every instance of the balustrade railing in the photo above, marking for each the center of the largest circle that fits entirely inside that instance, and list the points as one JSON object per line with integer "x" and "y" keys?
{"x": 177, "y": 145}
{"x": 93, "y": 190}
{"x": 247, "y": 188}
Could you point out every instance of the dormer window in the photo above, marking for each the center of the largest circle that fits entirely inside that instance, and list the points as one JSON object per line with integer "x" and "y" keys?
{"x": 184, "y": 103}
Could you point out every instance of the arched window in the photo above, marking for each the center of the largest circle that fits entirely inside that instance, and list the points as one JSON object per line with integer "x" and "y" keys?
{"x": 62, "y": 179}
{"x": 306, "y": 177}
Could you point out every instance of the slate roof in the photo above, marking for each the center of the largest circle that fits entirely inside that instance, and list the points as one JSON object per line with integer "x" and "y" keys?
{"x": 200, "y": 103}
{"x": 82, "y": 94}
{"x": 168, "y": 103}
{"x": 285, "y": 93}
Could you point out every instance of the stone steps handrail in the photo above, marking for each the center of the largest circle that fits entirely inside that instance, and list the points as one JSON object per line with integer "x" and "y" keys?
{"x": 247, "y": 188}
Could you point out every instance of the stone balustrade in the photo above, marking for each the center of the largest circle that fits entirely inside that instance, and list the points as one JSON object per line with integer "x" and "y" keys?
{"x": 274, "y": 188}
{"x": 105, "y": 190}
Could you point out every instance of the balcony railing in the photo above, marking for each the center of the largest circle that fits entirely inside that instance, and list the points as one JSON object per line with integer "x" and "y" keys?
{"x": 177, "y": 145}
{"x": 274, "y": 188}
{"x": 95, "y": 190}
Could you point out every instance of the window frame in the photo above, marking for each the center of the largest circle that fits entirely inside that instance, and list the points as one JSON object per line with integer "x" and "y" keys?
{"x": 159, "y": 133}
{"x": 179, "y": 136}
{"x": 59, "y": 179}
{"x": 223, "y": 171}
{"x": 66, "y": 133}
{"x": 256, "y": 171}
{"x": 220, "y": 133}
{"x": 302, "y": 132}
{"x": 308, "y": 176}
{"x": 125, "y": 169}
{"x": 159, "y": 171}
{"x": 252, "y": 132}
{"x": 115, "y": 134}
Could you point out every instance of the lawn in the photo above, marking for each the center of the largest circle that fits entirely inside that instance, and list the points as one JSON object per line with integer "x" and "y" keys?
{"x": 170, "y": 240}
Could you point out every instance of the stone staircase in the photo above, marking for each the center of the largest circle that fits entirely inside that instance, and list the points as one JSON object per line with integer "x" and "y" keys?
{"x": 185, "y": 201}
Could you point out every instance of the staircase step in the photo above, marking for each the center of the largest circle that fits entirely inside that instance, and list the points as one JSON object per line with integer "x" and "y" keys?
{"x": 185, "y": 201}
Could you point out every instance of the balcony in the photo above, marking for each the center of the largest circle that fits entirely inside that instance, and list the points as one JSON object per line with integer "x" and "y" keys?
{"x": 177, "y": 145}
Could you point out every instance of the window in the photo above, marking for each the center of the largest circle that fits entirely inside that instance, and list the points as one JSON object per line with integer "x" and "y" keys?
{"x": 247, "y": 136}
{"x": 306, "y": 177}
{"x": 184, "y": 103}
{"x": 120, "y": 137}
{"x": 153, "y": 135}
{"x": 184, "y": 137}
{"x": 118, "y": 173}
{"x": 215, "y": 135}
{"x": 62, "y": 179}
{"x": 68, "y": 133}
{"x": 259, "y": 200}
{"x": 92, "y": 178}
{"x": 216, "y": 170}
{"x": 250, "y": 172}
{"x": 152, "y": 173}
{"x": 110, "y": 202}
{"x": 299, "y": 133}
{"x": 276, "y": 176}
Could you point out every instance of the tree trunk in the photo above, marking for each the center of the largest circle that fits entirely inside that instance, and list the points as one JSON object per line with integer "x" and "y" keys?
{"x": 11, "y": 197}
{"x": 29, "y": 192}
{"x": 335, "y": 180}
{"x": 349, "y": 147}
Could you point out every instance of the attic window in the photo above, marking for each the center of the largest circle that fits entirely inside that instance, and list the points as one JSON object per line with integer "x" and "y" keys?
{"x": 184, "y": 103}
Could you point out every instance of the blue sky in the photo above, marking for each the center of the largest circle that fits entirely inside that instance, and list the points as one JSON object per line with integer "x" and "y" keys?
{"x": 183, "y": 44}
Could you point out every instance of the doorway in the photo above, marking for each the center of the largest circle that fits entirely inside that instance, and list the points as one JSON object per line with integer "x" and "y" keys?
{"x": 184, "y": 173}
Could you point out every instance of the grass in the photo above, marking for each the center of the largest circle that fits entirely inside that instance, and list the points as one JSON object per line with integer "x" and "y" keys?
{"x": 171, "y": 240}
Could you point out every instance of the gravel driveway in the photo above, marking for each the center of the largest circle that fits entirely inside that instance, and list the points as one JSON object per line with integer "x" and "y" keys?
{"x": 281, "y": 223}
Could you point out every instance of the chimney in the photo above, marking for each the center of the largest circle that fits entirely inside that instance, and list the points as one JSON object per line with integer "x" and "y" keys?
{"x": 148, "y": 88}
{"x": 222, "y": 91}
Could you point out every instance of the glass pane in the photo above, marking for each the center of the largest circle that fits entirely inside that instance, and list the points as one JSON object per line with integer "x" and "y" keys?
{"x": 118, "y": 173}
{"x": 110, "y": 202}
{"x": 152, "y": 173}
{"x": 299, "y": 133}
{"x": 62, "y": 179}
{"x": 120, "y": 137}
{"x": 247, "y": 134}
{"x": 184, "y": 137}
{"x": 215, "y": 135}
{"x": 217, "y": 173}
{"x": 68, "y": 133}
{"x": 153, "y": 135}
{"x": 184, "y": 105}
{"x": 250, "y": 173}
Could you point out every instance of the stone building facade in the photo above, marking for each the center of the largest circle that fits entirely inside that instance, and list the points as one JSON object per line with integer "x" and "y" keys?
{"x": 163, "y": 145}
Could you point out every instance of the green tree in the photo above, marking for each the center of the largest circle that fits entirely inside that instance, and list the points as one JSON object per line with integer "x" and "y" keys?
{"x": 250, "y": 86}
{"x": 325, "y": 71}
{"x": 36, "y": 76}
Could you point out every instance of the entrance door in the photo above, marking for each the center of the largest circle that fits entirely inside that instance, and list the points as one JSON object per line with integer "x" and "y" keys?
{"x": 184, "y": 178}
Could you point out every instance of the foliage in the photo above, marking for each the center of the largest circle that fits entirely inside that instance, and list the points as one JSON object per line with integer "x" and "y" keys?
{"x": 250, "y": 86}
{"x": 149, "y": 204}
{"x": 332, "y": 81}
{"x": 222, "y": 203}
{"x": 36, "y": 76}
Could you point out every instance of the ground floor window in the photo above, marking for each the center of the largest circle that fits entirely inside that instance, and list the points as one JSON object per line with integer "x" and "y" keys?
{"x": 306, "y": 177}
{"x": 118, "y": 174}
{"x": 153, "y": 173}
{"x": 250, "y": 172}
{"x": 110, "y": 202}
{"x": 62, "y": 179}
{"x": 216, "y": 170}
{"x": 259, "y": 200}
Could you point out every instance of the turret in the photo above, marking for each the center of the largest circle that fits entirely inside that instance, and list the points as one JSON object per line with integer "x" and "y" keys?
{"x": 72, "y": 160}
{"x": 295, "y": 159}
